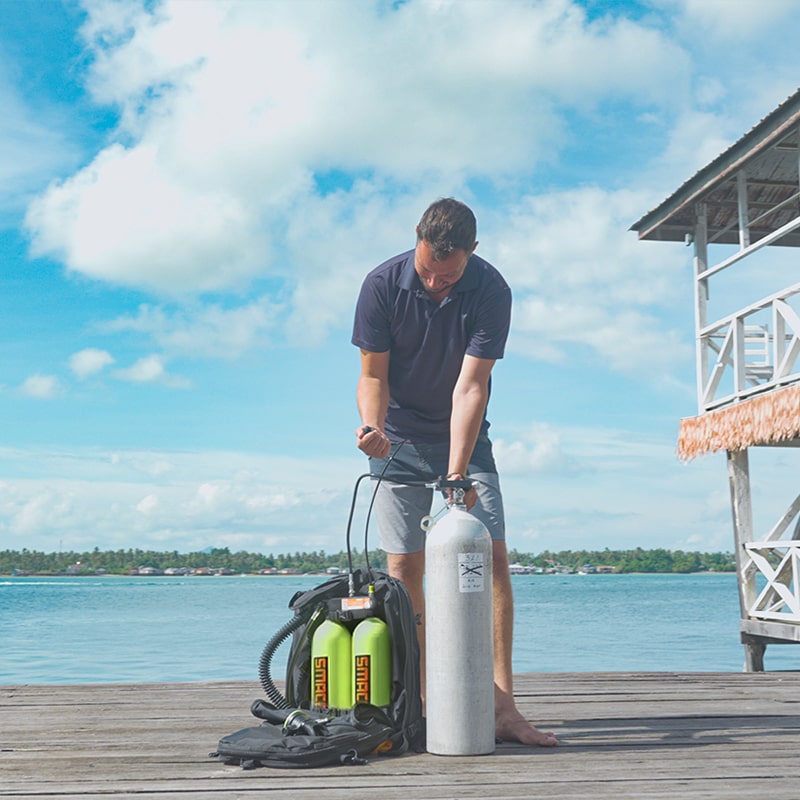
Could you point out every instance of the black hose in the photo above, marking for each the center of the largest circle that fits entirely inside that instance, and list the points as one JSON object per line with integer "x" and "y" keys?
{"x": 265, "y": 663}
{"x": 301, "y": 650}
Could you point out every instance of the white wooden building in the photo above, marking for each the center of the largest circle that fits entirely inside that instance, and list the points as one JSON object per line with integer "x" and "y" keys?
{"x": 741, "y": 215}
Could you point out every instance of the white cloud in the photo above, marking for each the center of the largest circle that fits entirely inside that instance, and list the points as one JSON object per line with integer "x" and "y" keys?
{"x": 42, "y": 387}
{"x": 728, "y": 20}
{"x": 618, "y": 491}
{"x": 145, "y": 370}
{"x": 135, "y": 464}
{"x": 150, "y": 369}
{"x": 89, "y": 361}
{"x": 696, "y": 138}
{"x": 95, "y": 498}
{"x": 229, "y": 110}
{"x": 538, "y": 450}
{"x": 580, "y": 277}
{"x": 148, "y": 504}
{"x": 565, "y": 487}
{"x": 123, "y": 220}
{"x": 204, "y": 330}
{"x": 30, "y": 515}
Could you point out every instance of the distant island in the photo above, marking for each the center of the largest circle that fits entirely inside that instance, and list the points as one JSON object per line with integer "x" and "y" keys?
{"x": 221, "y": 561}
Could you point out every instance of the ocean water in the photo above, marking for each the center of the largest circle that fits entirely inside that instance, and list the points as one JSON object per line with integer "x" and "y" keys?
{"x": 138, "y": 629}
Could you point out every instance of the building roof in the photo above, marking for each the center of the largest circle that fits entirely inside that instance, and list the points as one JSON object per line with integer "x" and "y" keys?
{"x": 768, "y": 154}
{"x": 768, "y": 419}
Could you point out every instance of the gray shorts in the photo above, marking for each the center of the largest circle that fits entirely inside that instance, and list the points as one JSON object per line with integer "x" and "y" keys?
{"x": 400, "y": 507}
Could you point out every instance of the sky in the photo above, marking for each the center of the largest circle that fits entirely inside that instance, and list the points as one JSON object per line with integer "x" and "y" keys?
{"x": 191, "y": 192}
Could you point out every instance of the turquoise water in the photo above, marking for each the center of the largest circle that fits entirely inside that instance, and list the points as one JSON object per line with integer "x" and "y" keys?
{"x": 86, "y": 630}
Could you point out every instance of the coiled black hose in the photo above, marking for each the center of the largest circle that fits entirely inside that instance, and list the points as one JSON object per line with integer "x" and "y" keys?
{"x": 265, "y": 663}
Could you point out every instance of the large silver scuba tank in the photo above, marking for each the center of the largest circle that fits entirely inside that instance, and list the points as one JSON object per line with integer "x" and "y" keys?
{"x": 459, "y": 638}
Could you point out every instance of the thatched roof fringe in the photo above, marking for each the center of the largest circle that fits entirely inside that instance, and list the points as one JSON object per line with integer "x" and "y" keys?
{"x": 765, "y": 419}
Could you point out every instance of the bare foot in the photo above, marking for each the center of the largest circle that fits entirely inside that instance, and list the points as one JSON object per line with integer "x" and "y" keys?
{"x": 513, "y": 727}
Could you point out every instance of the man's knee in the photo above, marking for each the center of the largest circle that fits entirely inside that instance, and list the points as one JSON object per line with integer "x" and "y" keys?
{"x": 407, "y": 567}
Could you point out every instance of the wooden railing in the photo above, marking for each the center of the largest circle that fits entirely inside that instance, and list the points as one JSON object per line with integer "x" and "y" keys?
{"x": 747, "y": 355}
{"x": 770, "y": 572}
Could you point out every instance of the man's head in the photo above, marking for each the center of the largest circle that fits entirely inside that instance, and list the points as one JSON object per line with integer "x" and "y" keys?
{"x": 445, "y": 241}
{"x": 447, "y": 225}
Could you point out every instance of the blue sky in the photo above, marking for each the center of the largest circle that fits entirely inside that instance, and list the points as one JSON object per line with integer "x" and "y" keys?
{"x": 192, "y": 191}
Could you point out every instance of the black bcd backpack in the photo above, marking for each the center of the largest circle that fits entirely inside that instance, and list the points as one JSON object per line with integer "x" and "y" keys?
{"x": 293, "y": 734}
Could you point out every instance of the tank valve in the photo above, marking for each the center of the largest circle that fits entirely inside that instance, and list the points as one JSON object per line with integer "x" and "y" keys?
{"x": 458, "y": 489}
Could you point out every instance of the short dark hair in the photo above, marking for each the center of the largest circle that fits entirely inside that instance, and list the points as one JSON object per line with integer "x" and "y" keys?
{"x": 446, "y": 225}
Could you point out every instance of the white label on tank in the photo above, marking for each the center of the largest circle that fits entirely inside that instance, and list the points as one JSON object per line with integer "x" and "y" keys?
{"x": 470, "y": 572}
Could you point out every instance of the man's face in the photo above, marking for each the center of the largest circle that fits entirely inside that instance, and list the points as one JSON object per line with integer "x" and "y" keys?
{"x": 439, "y": 277}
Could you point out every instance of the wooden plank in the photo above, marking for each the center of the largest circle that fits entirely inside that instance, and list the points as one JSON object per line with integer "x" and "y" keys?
{"x": 646, "y": 735}
{"x": 777, "y": 632}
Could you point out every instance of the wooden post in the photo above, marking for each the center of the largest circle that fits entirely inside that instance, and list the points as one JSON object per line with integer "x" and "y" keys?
{"x": 744, "y": 214}
{"x": 701, "y": 300}
{"x": 741, "y": 506}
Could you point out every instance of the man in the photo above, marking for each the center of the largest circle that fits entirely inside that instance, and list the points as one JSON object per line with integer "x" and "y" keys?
{"x": 430, "y": 324}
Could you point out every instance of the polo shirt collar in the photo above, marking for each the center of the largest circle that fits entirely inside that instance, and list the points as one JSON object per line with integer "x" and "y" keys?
{"x": 409, "y": 280}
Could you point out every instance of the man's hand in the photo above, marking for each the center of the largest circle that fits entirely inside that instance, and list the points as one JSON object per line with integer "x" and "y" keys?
{"x": 372, "y": 442}
{"x": 470, "y": 496}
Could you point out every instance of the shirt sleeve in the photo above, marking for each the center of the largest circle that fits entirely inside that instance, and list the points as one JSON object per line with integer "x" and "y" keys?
{"x": 371, "y": 327}
{"x": 493, "y": 320}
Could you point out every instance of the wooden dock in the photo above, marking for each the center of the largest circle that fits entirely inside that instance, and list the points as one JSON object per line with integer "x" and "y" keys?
{"x": 715, "y": 736}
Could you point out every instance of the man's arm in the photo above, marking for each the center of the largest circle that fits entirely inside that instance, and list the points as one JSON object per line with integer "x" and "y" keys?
{"x": 372, "y": 399}
{"x": 470, "y": 396}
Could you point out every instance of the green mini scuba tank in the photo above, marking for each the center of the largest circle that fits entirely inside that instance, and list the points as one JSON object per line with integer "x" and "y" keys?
{"x": 331, "y": 674}
{"x": 372, "y": 662}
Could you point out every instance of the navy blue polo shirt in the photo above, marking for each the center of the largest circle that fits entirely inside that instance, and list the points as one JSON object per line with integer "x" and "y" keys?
{"x": 428, "y": 340}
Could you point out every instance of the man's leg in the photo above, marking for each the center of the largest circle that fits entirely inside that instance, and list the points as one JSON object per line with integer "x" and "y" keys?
{"x": 509, "y": 722}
